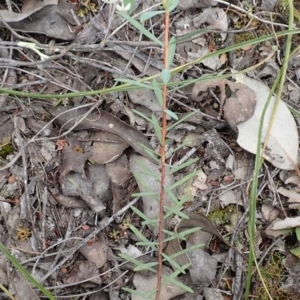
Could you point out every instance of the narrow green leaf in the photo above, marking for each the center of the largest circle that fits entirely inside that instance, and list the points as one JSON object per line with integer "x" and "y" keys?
{"x": 151, "y": 153}
{"x": 172, "y": 50}
{"x": 153, "y": 222}
{"x": 134, "y": 83}
{"x": 145, "y": 296}
{"x": 141, "y": 115}
{"x": 142, "y": 215}
{"x": 135, "y": 261}
{"x": 184, "y": 179}
{"x": 171, "y": 114}
{"x": 144, "y": 194}
{"x": 152, "y": 245}
{"x": 150, "y": 14}
{"x": 174, "y": 264}
{"x": 177, "y": 208}
{"x": 165, "y": 76}
{"x": 157, "y": 128}
{"x": 146, "y": 266}
{"x": 173, "y": 4}
{"x": 158, "y": 92}
{"x": 179, "y": 235}
{"x": 176, "y": 211}
{"x": 142, "y": 237}
{"x": 175, "y": 150}
{"x": 25, "y": 273}
{"x": 173, "y": 236}
{"x": 182, "y": 166}
{"x": 187, "y": 250}
{"x": 132, "y": 5}
{"x": 298, "y": 233}
{"x": 188, "y": 36}
{"x": 182, "y": 119}
{"x": 141, "y": 28}
{"x": 178, "y": 284}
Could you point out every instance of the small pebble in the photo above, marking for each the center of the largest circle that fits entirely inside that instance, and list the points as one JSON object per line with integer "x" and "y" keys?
{"x": 12, "y": 179}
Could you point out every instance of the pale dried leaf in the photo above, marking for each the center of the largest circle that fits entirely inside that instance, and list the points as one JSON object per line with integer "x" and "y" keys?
{"x": 287, "y": 223}
{"x": 103, "y": 121}
{"x": 269, "y": 213}
{"x": 145, "y": 284}
{"x": 23, "y": 289}
{"x": 283, "y": 132}
{"x": 293, "y": 196}
{"x": 139, "y": 166}
{"x": 204, "y": 267}
{"x": 107, "y": 147}
{"x": 294, "y": 180}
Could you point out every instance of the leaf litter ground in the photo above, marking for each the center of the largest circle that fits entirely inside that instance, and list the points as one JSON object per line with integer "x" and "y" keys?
{"x": 59, "y": 193}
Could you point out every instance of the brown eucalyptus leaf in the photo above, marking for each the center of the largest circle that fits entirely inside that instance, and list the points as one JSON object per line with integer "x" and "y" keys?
{"x": 239, "y": 107}
{"x": 107, "y": 147}
{"x": 74, "y": 157}
{"x": 102, "y": 120}
{"x": 29, "y": 7}
{"x": 83, "y": 270}
{"x": 96, "y": 252}
{"x": 69, "y": 201}
{"x": 195, "y": 220}
{"x": 73, "y": 184}
{"x": 46, "y": 21}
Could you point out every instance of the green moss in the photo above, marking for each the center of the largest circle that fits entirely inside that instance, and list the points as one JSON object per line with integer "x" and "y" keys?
{"x": 222, "y": 216}
{"x": 6, "y": 150}
{"x": 273, "y": 274}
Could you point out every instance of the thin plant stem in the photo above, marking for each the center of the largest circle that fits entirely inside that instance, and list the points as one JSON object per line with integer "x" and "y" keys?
{"x": 163, "y": 158}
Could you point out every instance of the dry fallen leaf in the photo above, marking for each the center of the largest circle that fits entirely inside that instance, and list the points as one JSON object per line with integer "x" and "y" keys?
{"x": 287, "y": 223}
{"x": 283, "y": 131}
{"x": 96, "y": 251}
{"x": 103, "y": 121}
{"x": 106, "y": 147}
{"x": 83, "y": 270}
{"x": 238, "y": 107}
{"x": 146, "y": 284}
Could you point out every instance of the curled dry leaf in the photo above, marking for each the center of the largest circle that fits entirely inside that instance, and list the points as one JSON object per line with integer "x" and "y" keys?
{"x": 101, "y": 121}
{"x": 294, "y": 197}
{"x": 119, "y": 173}
{"x": 237, "y": 108}
{"x": 92, "y": 190}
